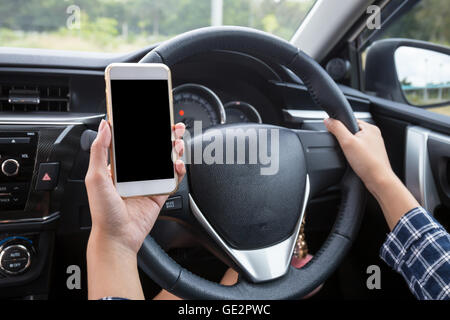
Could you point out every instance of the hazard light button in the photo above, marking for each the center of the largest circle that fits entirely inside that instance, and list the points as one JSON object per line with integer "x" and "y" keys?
{"x": 48, "y": 176}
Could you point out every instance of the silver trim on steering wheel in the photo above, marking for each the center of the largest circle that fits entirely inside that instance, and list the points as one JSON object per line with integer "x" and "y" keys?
{"x": 260, "y": 264}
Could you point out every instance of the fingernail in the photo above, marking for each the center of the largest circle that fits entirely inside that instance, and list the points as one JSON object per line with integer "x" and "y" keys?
{"x": 106, "y": 126}
{"x": 179, "y": 131}
{"x": 326, "y": 121}
{"x": 102, "y": 125}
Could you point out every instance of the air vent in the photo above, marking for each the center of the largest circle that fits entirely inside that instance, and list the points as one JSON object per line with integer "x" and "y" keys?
{"x": 23, "y": 98}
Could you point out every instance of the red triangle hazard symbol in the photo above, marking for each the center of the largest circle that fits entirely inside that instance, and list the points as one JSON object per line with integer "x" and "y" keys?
{"x": 46, "y": 177}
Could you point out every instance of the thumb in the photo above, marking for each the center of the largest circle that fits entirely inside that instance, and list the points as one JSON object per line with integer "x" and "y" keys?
{"x": 338, "y": 129}
{"x": 98, "y": 162}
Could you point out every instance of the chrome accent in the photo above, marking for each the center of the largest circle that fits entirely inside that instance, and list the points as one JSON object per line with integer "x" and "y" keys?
{"x": 24, "y": 100}
{"x": 63, "y": 134}
{"x": 41, "y": 123}
{"x": 317, "y": 115}
{"x": 2, "y": 252}
{"x": 418, "y": 175}
{"x": 222, "y": 114}
{"x": 15, "y": 172}
{"x": 34, "y": 119}
{"x": 46, "y": 71}
{"x": 259, "y": 264}
{"x": 53, "y": 216}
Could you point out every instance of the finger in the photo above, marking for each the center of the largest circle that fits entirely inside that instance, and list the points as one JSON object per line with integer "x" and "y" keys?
{"x": 179, "y": 147}
{"x": 338, "y": 129}
{"x": 229, "y": 278}
{"x": 367, "y": 127}
{"x": 361, "y": 121}
{"x": 99, "y": 149}
{"x": 363, "y": 124}
{"x": 179, "y": 130}
{"x": 180, "y": 169}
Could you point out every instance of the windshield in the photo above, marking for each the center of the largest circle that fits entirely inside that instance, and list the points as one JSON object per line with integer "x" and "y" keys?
{"x": 125, "y": 25}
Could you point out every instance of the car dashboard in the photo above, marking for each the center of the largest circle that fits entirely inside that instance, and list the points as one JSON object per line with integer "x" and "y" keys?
{"x": 49, "y": 98}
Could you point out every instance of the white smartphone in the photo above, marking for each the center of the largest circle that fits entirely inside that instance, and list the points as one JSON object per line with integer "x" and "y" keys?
{"x": 140, "y": 111}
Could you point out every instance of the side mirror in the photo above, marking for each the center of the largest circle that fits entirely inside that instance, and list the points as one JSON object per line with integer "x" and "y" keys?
{"x": 409, "y": 71}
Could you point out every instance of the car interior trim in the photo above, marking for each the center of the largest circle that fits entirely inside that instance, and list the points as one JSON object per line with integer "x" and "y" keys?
{"x": 339, "y": 15}
{"x": 317, "y": 115}
{"x": 50, "y": 217}
{"x": 418, "y": 175}
{"x": 51, "y": 70}
{"x": 49, "y": 119}
{"x": 64, "y": 134}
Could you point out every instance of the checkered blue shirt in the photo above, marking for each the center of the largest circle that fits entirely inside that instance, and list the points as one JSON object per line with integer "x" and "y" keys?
{"x": 419, "y": 249}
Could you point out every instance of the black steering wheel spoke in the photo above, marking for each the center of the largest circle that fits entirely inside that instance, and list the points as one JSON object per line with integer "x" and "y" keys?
{"x": 177, "y": 205}
{"x": 325, "y": 161}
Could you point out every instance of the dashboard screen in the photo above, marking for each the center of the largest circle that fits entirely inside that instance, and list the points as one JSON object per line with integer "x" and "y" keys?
{"x": 142, "y": 130}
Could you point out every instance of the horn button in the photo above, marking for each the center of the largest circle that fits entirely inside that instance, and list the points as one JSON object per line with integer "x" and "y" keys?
{"x": 250, "y": 205}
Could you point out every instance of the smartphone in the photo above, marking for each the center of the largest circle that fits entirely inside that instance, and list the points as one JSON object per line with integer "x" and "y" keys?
{"x": 140, "y": 112}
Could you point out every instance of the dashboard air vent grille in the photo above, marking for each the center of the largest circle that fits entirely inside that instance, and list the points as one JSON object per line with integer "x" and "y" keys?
{"x": 28, "y": 97}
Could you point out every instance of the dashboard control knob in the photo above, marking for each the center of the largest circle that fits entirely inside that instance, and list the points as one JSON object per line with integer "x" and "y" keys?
{"x": 10, "y": 167}
{"x": 14, "y": 259}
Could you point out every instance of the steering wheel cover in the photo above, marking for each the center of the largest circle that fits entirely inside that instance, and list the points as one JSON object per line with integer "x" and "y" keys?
{"x": 326, "y": 94}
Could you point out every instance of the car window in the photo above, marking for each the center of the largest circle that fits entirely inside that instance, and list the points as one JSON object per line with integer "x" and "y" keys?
{"x": 428, "y": 20}
{"x": 124, "y": 25}
{"x": 425, "y": 20}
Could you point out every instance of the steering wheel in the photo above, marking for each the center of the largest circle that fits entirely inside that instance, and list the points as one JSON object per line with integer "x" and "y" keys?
{"x": 255, "y": 218}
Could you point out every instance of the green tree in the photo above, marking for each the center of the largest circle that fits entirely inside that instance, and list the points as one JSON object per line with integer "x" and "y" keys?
{"x": 427, "y": 21}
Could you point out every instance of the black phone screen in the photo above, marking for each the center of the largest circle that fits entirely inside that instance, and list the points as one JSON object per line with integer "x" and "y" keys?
{"x": 142, "y": 130}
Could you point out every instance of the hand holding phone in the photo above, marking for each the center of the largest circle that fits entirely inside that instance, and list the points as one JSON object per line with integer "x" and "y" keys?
{"x": 125, "y": 221}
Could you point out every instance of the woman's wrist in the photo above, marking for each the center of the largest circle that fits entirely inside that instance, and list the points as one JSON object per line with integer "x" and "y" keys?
{"x": 102, "y": 244}
{"x": 112, "y": 269}
{"x": 381, "y": 182}
{"x": 394, "y": 198}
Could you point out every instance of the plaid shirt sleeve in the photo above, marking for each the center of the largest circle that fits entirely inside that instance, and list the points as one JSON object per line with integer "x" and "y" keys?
{"x": 419, "y": 249}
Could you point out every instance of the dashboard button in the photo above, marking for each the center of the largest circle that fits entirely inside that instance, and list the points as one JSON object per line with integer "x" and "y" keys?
{"x": 173, "y": 203}
{"x": 12, "y": 202}
{"x": 13, "y": 187}
{"x": 48, "y": 176}
{"x": 18, "y": 187}
{"x": 14, "y": 252}
{"x": 10, "y": 167}
{"x": 5, "y": 199}
{"x": 14, "y": 259}
{"x": 17, "y": 199}
{"x": 19, "y": 140}
{"x": 14, "y": 266}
